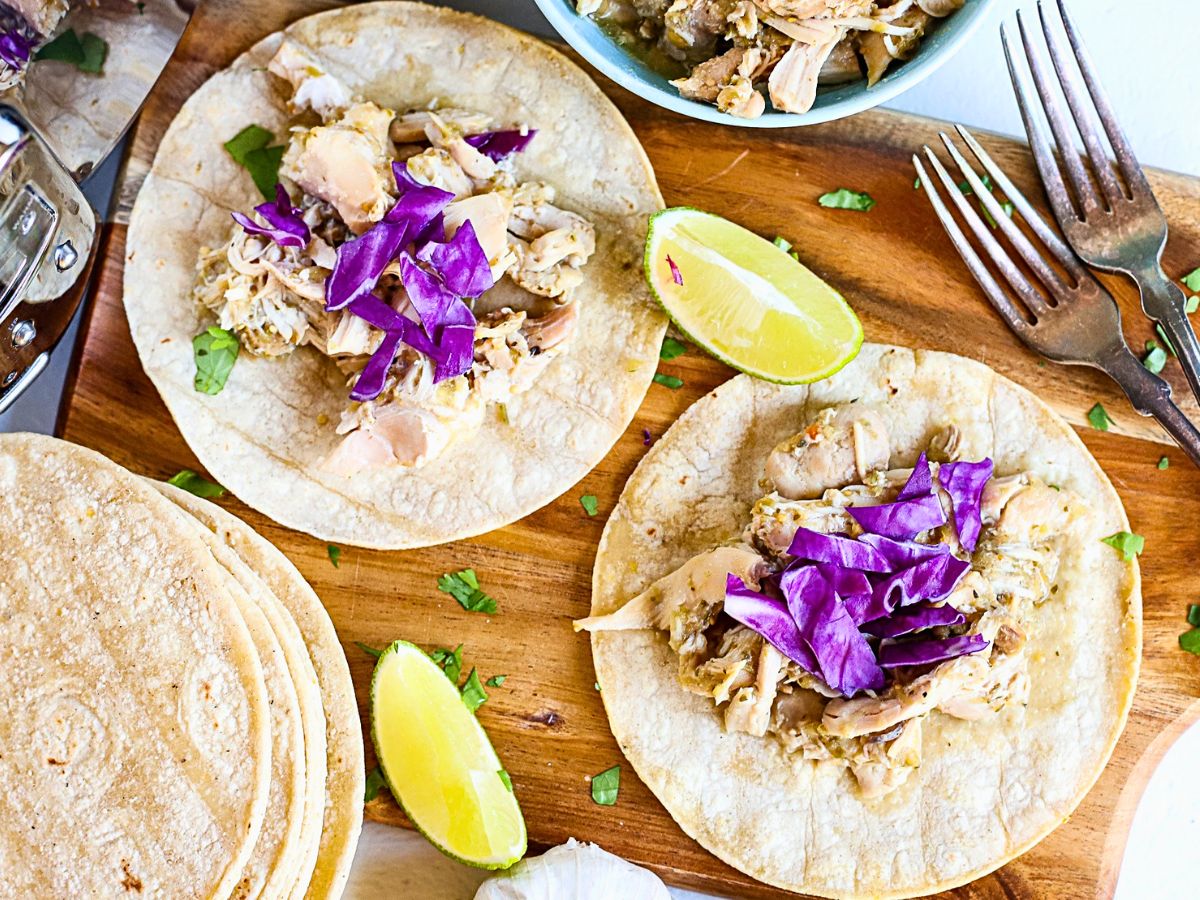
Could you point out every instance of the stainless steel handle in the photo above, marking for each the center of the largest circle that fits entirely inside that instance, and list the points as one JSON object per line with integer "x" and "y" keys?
{"x": 1151, "y": 396}
{"x": 1165, "y": 303}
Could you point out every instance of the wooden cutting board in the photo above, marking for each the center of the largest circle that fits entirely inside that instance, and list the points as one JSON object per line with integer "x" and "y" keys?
{"x": 897, "y": 269}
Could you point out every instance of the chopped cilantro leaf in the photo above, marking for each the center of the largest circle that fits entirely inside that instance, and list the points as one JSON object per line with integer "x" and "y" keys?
{"x": 263, "y": 166}
{"x": 252, "y": 137}
{"x": 1158, "y": 329}
{"x": 369, "y": 650}
{"x": 505, "y": 778}
{"x": 844, "y": 198}
{"x": 669, "y": 381}
{"x": 496, "y": 680}
{"x": 1163, "y": 462}
{"x": 375, "y": 782}
{"x": 782, "y": 243}
{"x": 464, "y": 587}
{"x": 672, "y": 348}
{"x": 450, "y": 661}
{"x": 1191, "y": 304}
{"x": 1192, "y": 280}
{"x": 605, "y": 786}
{"x": 1155, "y": 358}
{"x": 194, "y": 484}
{"x": 215, "y": 351}
{"x": 1098, "y": 417}
{"x": 473, "y": 694}
{"x": 917, "y": 183}
{"x": 1126, "y": 543}
{"x": 86, "y": 53}
{"x": 590, "y": 504}
{"x": 1193, "y": 615}
{"x": 1190, "y": 641}
{"x": 335, "y": 555}
{"x": 596, "y": 685}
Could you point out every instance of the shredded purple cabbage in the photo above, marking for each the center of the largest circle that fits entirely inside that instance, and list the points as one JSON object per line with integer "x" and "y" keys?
{"x": 847, "y": 582}
{"x": 964, "y": 482}
{"x": 373, "y": 377}
{"x": 838, "y": 550}
{"x": 844, "y": 658}
{"x": 676, "y": 275}
{"x": 930, "y": 650}
{"x": 902, "y": 520}
{"x": 285, "y": 226}
{"x": 768, "y": 617}
{"x": 447, "y": 320}
{"x": 919, "y": 483}
{"x": 902, "y": 554}
{"x": 914, "y": 618}
{"x": 15, "y": 48}
{"x": 460, "y": 261}
{"x": 497, "y": 145}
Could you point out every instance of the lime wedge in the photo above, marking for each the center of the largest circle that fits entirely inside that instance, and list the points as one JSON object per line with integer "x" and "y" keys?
{"x": 439, "y": 764}
{"x": 746, "y": 301}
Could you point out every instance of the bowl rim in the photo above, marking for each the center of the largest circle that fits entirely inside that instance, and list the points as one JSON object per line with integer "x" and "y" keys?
{"x": 570, "y": 27}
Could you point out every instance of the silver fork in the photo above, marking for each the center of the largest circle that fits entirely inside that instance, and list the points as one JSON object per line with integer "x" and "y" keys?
{"x": 1070, "y": 320}
{"x": 1115, "y": 227}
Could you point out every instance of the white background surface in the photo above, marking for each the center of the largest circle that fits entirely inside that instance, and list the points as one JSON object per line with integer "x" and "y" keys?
{"x": 1146, "y": 53}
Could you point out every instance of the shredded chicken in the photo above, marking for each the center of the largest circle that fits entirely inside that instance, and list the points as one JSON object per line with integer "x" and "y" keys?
{"x": 839, "y": 447}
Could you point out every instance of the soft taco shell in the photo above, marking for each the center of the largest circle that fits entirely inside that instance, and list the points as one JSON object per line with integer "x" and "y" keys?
{"x": 265, "y": 434}
{"x": 986, "y": 790}
{"x": 135, "y": 735}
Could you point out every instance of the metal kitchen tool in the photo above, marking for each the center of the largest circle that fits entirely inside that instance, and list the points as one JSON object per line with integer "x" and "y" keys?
{"x": 1070, "y": 319}
{"x": 55, "y": 128}
{"x": 1104, "y": 205}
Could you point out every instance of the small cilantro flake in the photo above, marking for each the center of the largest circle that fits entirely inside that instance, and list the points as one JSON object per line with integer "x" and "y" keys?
{"x": 250, "y": 151}
{"x": 844, "y": 198}
{"x": 1192, "y": 280}
{"x": 375, "y": 782}
{"x": 1163, "y": 462}
{"x": 86, "y": 53}
{"x": 189, "y": 481}
{"x": 496, "y": 680}
{"x": 1155, "y": 358}
{"x": 464, "y": 587}
{"x": 668, "y": 381}
{"x": 917, "y": 183}
{"x": 335, "y": 555}
{"x": 504, "y": 777}
{"x": 369, "y": 650}
{"x": 450, "y": 661}
{"x": 252, "y": 137}
{"x": 1190, "y": 641}
{"x": 473, "y": 694}
{"x": 1126, "y": 543}
{"x": 1193, "y": 615}
{"x": 782, "y": 243}
{"x": 1098, "y": 417}
{"x": 590, "y": 504}
{"x": 605, "y": 786}
{"x": 215, "y": 351}
{"x": 1191, "y": 304}
{"x": 1162, "y": 335}
{"x": 672, "y": 348}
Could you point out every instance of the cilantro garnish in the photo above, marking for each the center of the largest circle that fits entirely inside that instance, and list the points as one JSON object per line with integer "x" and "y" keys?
{"x": 1163, "y": 462}
{"x": 672, "y": 348}
{"x": 1098, "y": 417}
{"x": 590, "y": 504}
{"x": 505, "y": 778}
{"x": 1155, "y": 358}
{"x": 370, "y": 651}
{"x": 1191, "y": 304}
{"x": 215, "y": 351}
{"x": 250, "y": 151}
{"x": 86, "y": 53}
{"x": 450, "y": 661}
{"x": 464, "y": 587}
{"x": 1190, "y": 641}
{"x": 195, "y": 484}
{"x": 669, "y": 381}
{"x": 375, "y": 781}
{"x": 1126, "y": 543}
{"x": 605, "y": 786}
{"x": 473, "y": 694}
{"x": 496, "y": 680}
{"x": 1192, "y": 280}
{"x": 335, "y": 555}
{"x": 844, "y": 198}
{"x": 1193, "y": 615}
{"x": 1158, "y": 329}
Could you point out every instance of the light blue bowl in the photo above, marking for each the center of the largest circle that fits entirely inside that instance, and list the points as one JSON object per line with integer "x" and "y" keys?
{"x": 631, "y": 73}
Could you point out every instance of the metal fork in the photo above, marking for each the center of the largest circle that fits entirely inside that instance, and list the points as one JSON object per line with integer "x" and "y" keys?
{"x": 1115, "y": 227}
{"x": 1070, "y": 320}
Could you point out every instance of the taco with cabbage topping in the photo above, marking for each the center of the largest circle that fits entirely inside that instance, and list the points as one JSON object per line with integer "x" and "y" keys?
{"x": 436, "y": 322}
{"x": 870, "y": 641}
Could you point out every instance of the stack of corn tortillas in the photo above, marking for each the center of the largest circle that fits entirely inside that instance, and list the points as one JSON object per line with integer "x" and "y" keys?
{"x": 176, "y": 713}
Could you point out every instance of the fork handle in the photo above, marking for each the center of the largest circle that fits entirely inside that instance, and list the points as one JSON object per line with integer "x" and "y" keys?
{"x": 1165, "y": 303}
{"x": 1151, "y": 396}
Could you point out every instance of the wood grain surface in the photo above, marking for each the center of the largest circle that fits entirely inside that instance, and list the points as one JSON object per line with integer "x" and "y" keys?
{"x": 898, "y": 271}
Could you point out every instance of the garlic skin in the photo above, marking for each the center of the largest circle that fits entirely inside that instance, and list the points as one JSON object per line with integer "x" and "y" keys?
{"x": 574, "y": 871}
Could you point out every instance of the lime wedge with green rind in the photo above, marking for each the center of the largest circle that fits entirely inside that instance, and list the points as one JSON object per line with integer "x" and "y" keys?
{"x": 439, "y": 764}
{"x": 746, "y": 301}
